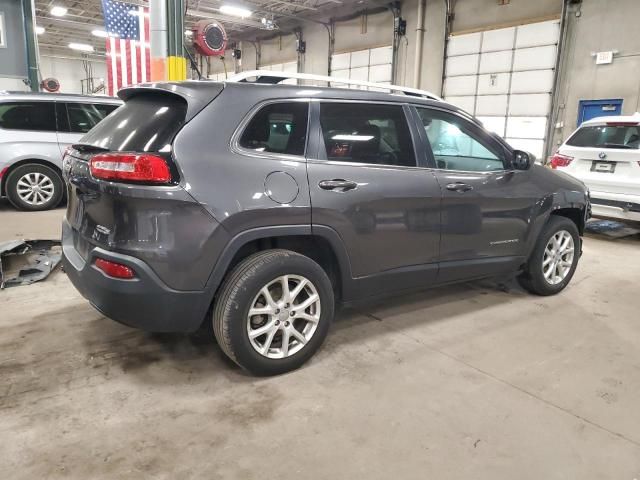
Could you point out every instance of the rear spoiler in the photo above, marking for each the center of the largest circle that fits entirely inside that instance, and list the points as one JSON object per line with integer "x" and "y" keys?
{"x": 197, "y": 94}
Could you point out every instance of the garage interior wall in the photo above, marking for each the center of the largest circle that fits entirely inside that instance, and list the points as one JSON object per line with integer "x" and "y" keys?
{"x": 597, "y": 26}
{"x": 591, "y": 26}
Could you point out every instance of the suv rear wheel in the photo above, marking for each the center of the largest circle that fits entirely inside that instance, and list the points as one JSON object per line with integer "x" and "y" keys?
{"x": 554, "y": 259}
{"x": 273, "y": 311}
{"x": 34, "y": 187}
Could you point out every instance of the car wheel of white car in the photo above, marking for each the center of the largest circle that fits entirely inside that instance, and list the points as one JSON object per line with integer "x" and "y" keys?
{"x": 34, "y": 187}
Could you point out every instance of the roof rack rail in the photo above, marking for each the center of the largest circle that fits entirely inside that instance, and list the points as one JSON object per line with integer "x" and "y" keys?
{"x": 271, "y": 77}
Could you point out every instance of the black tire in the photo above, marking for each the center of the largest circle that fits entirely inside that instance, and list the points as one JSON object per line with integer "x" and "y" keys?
{"x": 34, "y": 168}
{"x": 533, "y": 279}
{"x": 240, "y": 288}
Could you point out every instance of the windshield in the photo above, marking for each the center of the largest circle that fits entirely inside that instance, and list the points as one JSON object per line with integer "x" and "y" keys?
{"x": 607, "y": 136}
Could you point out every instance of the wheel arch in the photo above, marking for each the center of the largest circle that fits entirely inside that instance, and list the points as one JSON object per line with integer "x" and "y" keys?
{"x": 26, "y": 161}
{"x": 322, "y": 244}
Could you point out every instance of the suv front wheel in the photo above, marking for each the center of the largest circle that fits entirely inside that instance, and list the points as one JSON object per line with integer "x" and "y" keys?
{"x": 34, "y": 187}
{"x": 554, "y": 258}
{"x": 273, "y": 311}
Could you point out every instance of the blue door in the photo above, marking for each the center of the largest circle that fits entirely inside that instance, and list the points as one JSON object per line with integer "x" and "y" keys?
{"x": 589, "y": 109}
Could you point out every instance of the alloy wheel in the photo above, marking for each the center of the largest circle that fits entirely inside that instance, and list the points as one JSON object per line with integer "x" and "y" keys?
{"x": 283, "y": 316}
{"x": 35, "y": 188}
{"x": 558, "y": 257}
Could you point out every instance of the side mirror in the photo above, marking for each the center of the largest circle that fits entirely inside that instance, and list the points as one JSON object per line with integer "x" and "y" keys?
{"x": 522, "y": 160}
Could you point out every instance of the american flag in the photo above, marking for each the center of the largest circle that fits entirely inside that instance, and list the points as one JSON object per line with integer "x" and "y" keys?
{"x": 128, "y": 56}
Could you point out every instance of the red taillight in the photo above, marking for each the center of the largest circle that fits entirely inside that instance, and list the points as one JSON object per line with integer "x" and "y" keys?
{"x": 3, "y": 171}
{"x": 130, "y": 167}
{"x": 115, "y": 270}
{"x": 559, "y": 160}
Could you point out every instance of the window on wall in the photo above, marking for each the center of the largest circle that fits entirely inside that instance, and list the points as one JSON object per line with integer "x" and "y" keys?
{"x": 278, "y": 128}
{"x": 455, "y": 146}
{"x": 371, "y": 65}
{"x": 366, "y": 133}
{"x": 505, "y": 78}
{"x": 36, "y": 116}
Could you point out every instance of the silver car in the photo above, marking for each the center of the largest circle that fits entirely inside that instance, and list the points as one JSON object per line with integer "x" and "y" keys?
{"x": 35, "y": 130}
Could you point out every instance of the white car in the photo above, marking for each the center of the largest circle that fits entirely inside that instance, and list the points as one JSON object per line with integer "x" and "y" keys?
{"x": 604, "y": 153}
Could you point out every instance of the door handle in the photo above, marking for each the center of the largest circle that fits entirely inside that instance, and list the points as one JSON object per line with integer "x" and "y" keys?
{"x": 337, "y": 184}
{"x": 459, "y": 187}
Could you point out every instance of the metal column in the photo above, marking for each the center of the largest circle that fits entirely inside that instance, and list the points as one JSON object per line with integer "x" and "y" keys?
{"x": 28, "y": 10}
{"x": 167, "y": 35}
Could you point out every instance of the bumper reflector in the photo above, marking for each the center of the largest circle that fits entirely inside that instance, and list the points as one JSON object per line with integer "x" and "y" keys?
{"x": 115, "y": 270}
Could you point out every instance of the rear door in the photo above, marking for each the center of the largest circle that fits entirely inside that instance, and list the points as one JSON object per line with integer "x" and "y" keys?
{"x": 77, "y": 118}
{"x": 486, "y": 205}
{"x": 606, "y": 157}
{"x": 28, "y": 130}
{"x": 366, "y": 184}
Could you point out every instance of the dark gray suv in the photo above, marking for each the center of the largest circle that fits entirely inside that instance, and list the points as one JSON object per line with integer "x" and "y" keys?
{"x": 260, "y": 207}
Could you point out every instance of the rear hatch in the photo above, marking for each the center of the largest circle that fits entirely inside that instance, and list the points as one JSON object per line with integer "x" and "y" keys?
{"x": 122, "y": 180}
{"x": 606, "y": 157}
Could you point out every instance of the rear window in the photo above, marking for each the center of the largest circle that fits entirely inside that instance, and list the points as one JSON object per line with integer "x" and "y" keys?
{"x": 607, "y": 136}
{"x": 145, "y": 123}
{"x": 35, "y": 116}
{"x": 278, "y": 128}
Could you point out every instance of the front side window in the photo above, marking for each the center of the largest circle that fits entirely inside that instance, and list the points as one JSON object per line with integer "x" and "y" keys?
{"x": 84, "y": 116}
{"x": 607, "y": 136}
{"x": 366, "y": 133}
{"x": 455, "y": 147}
{"x": 35, "y": 116}
{"x": 278, "y": 128}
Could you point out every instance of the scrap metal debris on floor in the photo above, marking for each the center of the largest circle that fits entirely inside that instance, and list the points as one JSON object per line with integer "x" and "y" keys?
{"x": 26, "y": 262}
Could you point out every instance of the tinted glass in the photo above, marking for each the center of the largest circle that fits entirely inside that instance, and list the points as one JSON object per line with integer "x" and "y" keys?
{"x": 38, "y": 116}
{"x": 455, "y": 146}
{"x": 84, "y": 116}
{"x": 364, "y": 133}
{"x": 145, "y": 123}
{"x": 607, "y": 136}
{"x": 278, "y": 128}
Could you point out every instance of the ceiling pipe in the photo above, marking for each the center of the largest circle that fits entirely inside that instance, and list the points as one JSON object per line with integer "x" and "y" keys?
{"x": 417, "y": 61}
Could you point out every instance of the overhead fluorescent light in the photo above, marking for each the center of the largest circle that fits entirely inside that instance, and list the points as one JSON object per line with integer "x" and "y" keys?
{"x": 58, "y": 11}
{"x": 99, "y": 33}
{"x": 83, "y": 47}
{"x": 235, "y": 11}
{"x": 355, "y": 138}
{"x": 40, "y": 30}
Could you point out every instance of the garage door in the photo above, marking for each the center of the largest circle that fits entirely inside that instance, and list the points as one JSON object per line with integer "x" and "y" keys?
{"x": 372, "y": 65}
{"x": 288, "y": 67}
{"x": 505, "y": 78}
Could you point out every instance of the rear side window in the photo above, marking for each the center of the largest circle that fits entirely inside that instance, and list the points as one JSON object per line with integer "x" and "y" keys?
{"x": 145, "y": 123}
{"x": 84, "y": 116}
{"x": 607, "y": 136}
{"x": 278, "y": 128}
{"x": 38, "y": 116}
{"x": 364, "y": 133}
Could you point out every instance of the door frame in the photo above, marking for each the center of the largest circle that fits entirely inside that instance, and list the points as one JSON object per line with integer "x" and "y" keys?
{"x": 588, "y": 103}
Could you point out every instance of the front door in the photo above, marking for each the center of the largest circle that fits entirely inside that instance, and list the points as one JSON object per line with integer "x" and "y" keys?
{"x": 486, "y": 205}
{"x": 366, "y": 184}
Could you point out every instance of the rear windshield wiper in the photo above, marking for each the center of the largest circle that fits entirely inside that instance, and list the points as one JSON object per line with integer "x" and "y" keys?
{"x": 617, "y": 145}
{"x": 87, "y": 147}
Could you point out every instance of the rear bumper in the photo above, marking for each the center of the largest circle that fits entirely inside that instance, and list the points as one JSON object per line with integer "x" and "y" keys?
{"x": 144, "y": 302}
{"x": 616, "y": 205}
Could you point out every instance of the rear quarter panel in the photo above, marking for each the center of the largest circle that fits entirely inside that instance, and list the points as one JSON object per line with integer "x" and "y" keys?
{"x": 231, "y": 185}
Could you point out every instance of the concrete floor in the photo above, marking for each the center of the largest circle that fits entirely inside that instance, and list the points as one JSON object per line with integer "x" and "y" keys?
{"x": 466, "y": 382}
